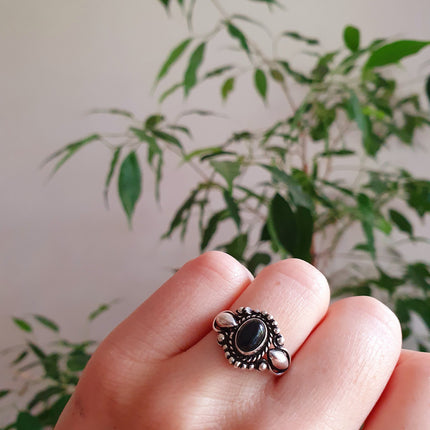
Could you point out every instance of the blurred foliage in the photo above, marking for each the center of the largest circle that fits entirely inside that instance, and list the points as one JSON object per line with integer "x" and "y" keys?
{"x": 44, "y": 376}
{"x": 318, "y": 179}
{"x": 304, "y": 186}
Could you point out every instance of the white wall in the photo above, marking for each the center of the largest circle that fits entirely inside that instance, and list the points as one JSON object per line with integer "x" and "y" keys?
{"x": 61, "y": 252}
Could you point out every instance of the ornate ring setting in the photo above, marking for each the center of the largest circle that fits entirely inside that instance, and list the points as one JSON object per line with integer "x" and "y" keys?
{"x": 251, "y": 340}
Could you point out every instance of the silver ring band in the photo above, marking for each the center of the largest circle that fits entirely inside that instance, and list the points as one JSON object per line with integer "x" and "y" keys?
{"x": 251, "y": 340}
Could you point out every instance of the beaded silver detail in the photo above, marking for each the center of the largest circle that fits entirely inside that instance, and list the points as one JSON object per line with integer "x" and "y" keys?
{"x": 251, "y": 340}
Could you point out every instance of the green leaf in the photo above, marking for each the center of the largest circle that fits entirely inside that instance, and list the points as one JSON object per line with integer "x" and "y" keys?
{"x": 418, "y": 195}
{"x": 338, "y": 187}
{"x": 203, "y": 151}
{"x": 393, "y": 52}
{"x": 260, "y": 81}
{"x": 19, "y": 357}
{"x": 47, "y": 323}
{"x": 401, "y": 222}
{"x": 258, "y": 259}
{"x": 142, "y": 135}
{"x": 165, "y": 3}
{"x": 297, "y": 36}
{"x": 238, "y": 35}
{"x": 387, "y": 282}
{"x": 237, "y": 246}
{"x": 382, "y": 224}
{"x": 68, "y": 150}
{"x": 153, "y": 150}
{"x": 420, "y": 306}
{"x": 227, "y": 88}
{"x": 298, "y": 195}
{"x": 196, "y": 59}
{"x": 95, "y": 313}
{"x": 50, "y": 416}
{"x": 351, "y": 37}
{"x": 23, "y": 325}
{"x": 170, "y": 91}
{"x": 44, "y": 395}
{"x": 357, "y": 113}
{"x": 182, "y": 129}
{"x": 201, "y": 112}
{"x": 402, "y": 311}
{"x": 173, "y": 57}
{"x": 371, "y": 142}
{"x": 26, "y": 421}
{"x": 229, "y": 170}
{"x": 114, "y": 111}
{"x": 37, "y": 351}
{"x": 153, "y": 121}
{"x": 337, "y": 153}
{"x": 320, "y": 71}
{"x": 130, "y": 184}
{"x": 50, "y": 365}
{"x": 169, "y": 138}
{"x": 276, "y": 75}
{"x": 182, "y": 213}
{"x": 4, "y": 393}
{"x": 77, "y": 360}
{"x": 250, "y": 193}
{"x": 232, "y": 207}
{"x": 217, "y": 72}
{"x": 113, "y": 163}
{"x": 418, "y": 274}
{"x": 211, "y": 227}
{"x": 365, "y": 208}
{"x": 305, "y": 231}
{"x": 297, "y": 76}
{"x": 422, "y": 348}
{"x": 282, "y": 223}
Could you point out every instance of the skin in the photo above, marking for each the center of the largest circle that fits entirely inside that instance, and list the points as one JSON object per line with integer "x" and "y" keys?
{"x": 162, "y": 368}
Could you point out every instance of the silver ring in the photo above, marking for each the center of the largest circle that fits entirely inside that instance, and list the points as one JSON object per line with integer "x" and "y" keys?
{"x": 251, "y": 340}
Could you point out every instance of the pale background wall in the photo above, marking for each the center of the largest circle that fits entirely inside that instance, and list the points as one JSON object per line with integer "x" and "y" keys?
{"x": 61, "y": 252}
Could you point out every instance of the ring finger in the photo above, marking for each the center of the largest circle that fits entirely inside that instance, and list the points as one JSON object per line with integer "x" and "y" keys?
{"x": 297, "y": 295}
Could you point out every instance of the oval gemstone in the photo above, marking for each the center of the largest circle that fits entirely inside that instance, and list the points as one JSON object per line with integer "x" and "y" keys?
{"x": 250, "y": 336}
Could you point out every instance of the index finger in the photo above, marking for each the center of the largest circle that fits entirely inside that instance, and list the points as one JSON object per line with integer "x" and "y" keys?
{"x": 180, "y": 312}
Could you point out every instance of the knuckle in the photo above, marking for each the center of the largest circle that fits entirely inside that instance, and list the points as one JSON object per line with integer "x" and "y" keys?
{"x": 375, "y": 315}
{"x": 217, "y": 263}
{"x": 302, "y": 273}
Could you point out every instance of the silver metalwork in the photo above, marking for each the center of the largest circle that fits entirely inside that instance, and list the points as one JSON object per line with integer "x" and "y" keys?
{"x": 268, "y": 353}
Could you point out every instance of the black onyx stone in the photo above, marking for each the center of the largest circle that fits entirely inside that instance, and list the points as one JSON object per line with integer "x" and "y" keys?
{"x": 251, "y": 335}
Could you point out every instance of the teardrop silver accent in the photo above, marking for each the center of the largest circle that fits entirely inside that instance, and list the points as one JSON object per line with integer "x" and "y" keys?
{"x": 279, "y": 359}
{"x": 225, "y": 320}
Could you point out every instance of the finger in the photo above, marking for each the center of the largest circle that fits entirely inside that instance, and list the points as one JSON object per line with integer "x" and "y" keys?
{"x": 180, "y": 313}
{"x": 338, "y": 375}
{"x": 293, "y": 291}
{"x": 405, "y": 403}
{"x": 297, "y": 295}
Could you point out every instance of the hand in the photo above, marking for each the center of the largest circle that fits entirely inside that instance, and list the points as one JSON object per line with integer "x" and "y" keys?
{"x": 162, "y": 367}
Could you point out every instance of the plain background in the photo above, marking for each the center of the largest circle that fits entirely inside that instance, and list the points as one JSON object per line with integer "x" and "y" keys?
{"x": 61, "y": 252}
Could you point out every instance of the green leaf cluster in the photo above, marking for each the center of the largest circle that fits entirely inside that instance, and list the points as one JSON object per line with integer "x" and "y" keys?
{"x": 53, "y": 370}
{"x": 306, "y": 183}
